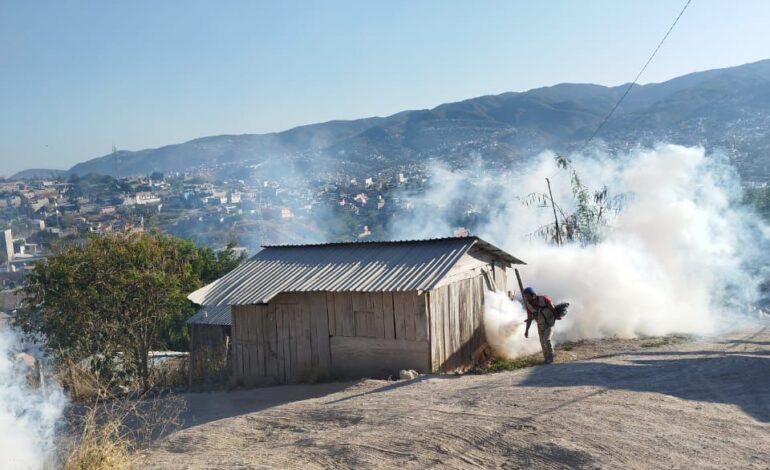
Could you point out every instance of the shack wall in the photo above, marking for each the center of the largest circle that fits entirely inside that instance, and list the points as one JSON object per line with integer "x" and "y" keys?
{"x": 457, "y": 322}
{"x": 304, "y": 336}
{"x": 377, "y": 334}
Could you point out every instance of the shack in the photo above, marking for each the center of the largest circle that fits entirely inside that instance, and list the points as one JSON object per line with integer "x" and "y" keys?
{"x": 343, "y": 310}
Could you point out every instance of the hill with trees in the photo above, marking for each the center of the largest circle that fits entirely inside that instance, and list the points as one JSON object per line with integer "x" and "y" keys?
{"x": 726, "y": 108}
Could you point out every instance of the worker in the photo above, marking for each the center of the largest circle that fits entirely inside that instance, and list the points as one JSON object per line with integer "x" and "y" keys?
{"x": 541, "y": 309}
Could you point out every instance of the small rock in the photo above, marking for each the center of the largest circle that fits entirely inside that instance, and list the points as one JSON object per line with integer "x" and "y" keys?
{"x": 408, "y": 374}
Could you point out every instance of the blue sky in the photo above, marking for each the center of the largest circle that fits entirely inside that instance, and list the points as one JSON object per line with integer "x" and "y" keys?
{"x": 77, "y": 77}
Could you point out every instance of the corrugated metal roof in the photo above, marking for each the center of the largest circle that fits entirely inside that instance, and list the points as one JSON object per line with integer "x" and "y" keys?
{"x": 341, "y": 267}
{"x": 212, "y": 315}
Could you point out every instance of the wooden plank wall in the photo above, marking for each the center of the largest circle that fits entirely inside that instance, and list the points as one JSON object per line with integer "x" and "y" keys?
{"x": 354, "y": 357}
{"x": 501, "y": 278}
{"x": 384, "y": 315}
{"x": 290, "y": 339}
{"x": 375, "y": 334}
{"x": 284, "y": 341}
{"x": 456, "y": 323}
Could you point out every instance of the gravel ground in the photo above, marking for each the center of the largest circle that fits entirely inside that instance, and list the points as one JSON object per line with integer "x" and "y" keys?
{"x": 694, "y": 404}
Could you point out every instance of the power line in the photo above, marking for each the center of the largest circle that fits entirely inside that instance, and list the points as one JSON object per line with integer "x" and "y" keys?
{"x": 638, "y": 75}
{"x": 628, "y": 89}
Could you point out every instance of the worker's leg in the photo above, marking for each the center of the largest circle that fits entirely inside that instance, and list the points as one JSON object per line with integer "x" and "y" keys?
{"x": 545, "y": 341}
{"x": 541, "y": 335}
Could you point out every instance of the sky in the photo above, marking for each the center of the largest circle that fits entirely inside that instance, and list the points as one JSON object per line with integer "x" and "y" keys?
{"x": 77, "y": 77}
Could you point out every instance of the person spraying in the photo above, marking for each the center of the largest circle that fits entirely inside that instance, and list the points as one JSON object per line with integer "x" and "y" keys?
{"x": 542, "y": 311}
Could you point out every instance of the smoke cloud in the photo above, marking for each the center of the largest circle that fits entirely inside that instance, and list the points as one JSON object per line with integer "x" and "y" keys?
{"x": 504, "y": 327}
{"x": 28, "y": 414}
{"x": 682, "y": 256}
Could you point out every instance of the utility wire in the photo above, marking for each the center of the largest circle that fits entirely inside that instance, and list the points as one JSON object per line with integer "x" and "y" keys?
{"x": 630, "y": 86}
{"x": 638, "y": 75}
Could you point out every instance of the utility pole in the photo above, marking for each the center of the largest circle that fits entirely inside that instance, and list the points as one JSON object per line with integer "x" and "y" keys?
{"x": 555, "y": 218}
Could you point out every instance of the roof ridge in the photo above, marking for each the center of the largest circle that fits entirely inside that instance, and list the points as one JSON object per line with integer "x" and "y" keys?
{"x": 372, "y": 242}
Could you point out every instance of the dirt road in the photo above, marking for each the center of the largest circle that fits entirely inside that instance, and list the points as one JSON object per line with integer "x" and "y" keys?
{"x": 703, "y": 404}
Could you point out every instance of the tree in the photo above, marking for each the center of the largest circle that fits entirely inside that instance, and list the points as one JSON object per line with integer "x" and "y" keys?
{"x": 759, "y": 198}
{"x": 587, "y": 222}
{"x": 116, "y": 296}
{"x": 211, "y": 265}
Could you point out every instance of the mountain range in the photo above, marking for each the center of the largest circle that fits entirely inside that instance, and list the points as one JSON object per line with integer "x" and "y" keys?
{"x": 725, "y": 109}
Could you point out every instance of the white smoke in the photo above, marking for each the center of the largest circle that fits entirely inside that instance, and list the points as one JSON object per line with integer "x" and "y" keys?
{"x": 679, "y": 258}
{"x": 28, "y": 414}
{"x": 504, "y": 326}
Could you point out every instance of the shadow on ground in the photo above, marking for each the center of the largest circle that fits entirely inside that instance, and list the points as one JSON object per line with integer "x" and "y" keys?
{"x": 201, "y": 408}
{"x": 734, "y": 378}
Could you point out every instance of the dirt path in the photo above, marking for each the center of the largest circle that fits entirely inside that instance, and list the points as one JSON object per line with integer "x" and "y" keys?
{"x": 703, "y": 404}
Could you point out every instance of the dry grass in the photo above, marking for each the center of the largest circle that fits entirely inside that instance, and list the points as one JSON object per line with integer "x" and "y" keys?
{"x": 101, "y": 445}
{"x": 82, "y": 385}
{"x": 662, "y": 341}
{"x": 171, "y": 374}
{"x": 109, "y": 433}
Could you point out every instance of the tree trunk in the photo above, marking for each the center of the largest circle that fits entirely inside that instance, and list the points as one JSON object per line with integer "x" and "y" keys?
{"x": 144, "y": 374}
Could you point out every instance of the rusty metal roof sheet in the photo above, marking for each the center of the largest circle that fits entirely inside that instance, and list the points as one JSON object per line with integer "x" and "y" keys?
{"x": 342, "y": 267}
{"x": 212, "y": 315}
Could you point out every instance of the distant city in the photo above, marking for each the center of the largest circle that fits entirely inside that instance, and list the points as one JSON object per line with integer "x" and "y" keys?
{"x": 43, "y": 214}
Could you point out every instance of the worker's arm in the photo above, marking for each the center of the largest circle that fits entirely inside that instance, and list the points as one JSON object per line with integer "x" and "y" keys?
{"x": 530, "y": 317}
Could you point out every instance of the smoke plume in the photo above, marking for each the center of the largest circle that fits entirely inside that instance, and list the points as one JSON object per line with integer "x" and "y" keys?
{"x": 682, "y": 256}
{"x": 28, "y": 413}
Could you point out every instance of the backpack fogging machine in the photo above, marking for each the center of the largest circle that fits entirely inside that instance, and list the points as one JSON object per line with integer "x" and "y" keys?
{"x": 560, "y": 309}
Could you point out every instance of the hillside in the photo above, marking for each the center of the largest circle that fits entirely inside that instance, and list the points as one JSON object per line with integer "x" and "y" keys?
{"x": 35, "y": 173}
{"x": 726, "y": 108}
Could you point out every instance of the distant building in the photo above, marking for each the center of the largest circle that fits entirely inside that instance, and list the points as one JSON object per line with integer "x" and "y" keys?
{"x": 362, "y": 198}
{"x": 7, "y": 244}
{"x": 147, "y": 198}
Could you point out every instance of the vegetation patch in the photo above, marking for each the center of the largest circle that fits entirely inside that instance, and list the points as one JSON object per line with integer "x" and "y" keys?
{"x": 662, "y": 341}
{"x": 499, "y": 364}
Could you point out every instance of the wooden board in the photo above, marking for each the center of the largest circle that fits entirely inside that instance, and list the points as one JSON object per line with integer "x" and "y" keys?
{"x": 379, "y": 315}
{"x": 330, "y": 312}
{"x": 421, "y": 328}
{"x": 371, "y": 357}
{"x": 388, "y": 318}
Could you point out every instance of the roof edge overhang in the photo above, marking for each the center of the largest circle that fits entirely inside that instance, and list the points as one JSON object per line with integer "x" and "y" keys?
{"x": 500, "y": 253}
